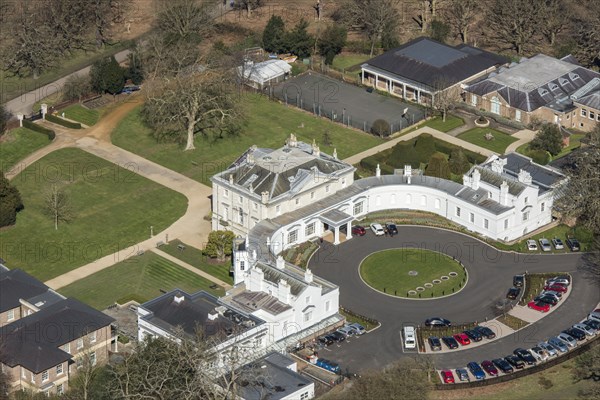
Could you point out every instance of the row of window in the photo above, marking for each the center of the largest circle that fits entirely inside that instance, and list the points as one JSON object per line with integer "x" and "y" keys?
{"x": 590, "y": 114}
{"x": 486, "y": 222}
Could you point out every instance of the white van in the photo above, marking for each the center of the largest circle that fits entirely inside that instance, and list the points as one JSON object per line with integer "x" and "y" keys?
{"x": 410, "y": 337}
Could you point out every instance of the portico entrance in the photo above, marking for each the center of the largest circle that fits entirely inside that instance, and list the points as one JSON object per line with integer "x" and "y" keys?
{"x": 333, "y": 219}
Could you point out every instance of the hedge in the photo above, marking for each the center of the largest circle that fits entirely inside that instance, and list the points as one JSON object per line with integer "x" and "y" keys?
{"x": 63, "y": 122}
{"x": 541, "y": 157}
{"x": 38, "y": 128}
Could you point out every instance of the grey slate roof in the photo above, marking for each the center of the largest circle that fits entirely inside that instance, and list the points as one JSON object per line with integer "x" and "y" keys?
{"x": 435, "y": 64}
{"x": 543, "y": 176}
{"x": 27, "y": 341}
{"x": 514, "y": 187}
{"x": 251, "y": 301}
{"x": 589, "y": 95}
{"x": 15, "y": 285}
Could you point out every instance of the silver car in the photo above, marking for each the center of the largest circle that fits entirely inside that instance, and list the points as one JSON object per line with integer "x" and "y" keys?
{"x": 589, "y": 331}
{"x": 559, "y": 344}
{"x": 531, "y": 245}
{"x": 568, "y": 339}
{"x": 558, "y": 244}
{"x": 346, "y": 331}
{"x": 358, "y": 328}
{"x": 545, "y": 244}
{"x": 550, "y": 350}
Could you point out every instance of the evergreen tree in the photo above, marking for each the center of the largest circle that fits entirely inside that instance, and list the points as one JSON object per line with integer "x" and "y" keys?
{"x": 10, "y": 202}
{"x": 107, "y": 76}
{"x": 438, "y": 166}
{"x": 549, "y": 139}
{"x": 299, "y": 41}
{"x": 332, "y": 42}
{"x": 458, "y": 163}
{"x": 274, "y": 35}
{"x": 4, "y": 117}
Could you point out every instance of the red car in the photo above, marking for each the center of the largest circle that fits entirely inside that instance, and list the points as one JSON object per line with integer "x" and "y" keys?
{"x": 358, "y": 230}
{"x": 462, "y": 338}
{"x": 556, "y": 288}
{"x": 539, "y": 306}
{"x": 447, "y": 376}
{"x": 489, "y": 367}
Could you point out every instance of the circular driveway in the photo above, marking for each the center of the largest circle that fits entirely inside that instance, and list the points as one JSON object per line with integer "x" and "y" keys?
{"x": 490, "y": 276}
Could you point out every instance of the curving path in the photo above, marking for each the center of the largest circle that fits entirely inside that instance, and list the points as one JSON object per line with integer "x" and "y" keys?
{"x": 490, "y": 276}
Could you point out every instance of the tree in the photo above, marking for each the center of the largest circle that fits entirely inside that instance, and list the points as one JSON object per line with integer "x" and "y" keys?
{"x": 380, "y": 128}
{"x": 587, "y": 35}
{"x": 514, "y": 22}
{"x": 202, "y": 102}
{"x": 458, "y": 163}
{"x": 299, "y": 41}
{"x": 220, "y": 244}
{"x": 273, "y": 37}
{"x": 76, "y": 87}
{"x": 102, "y": 15}
{"x": 107, "y": 76}
{"x": 425, "y": 146}
{"x": 10, "y": 202}
{"x": 461, "y": 15}
{"x": 389, "y": 38}
{"x": 438, "y": 166}
{"x": 57, "y": 205}
{"x": 248, "y": 5}
{"x": 135, "y": 71}
{"x": 444, "y": 98}
{"x": 186, "y": 20}
{"x": 404, "y": 153}
{"x": 439, "y": 30}
{"x": 554, "y": 18}
{"x": 372, "y": 17}
{"x": 549, "y": 139}
{"x": 4, "y": 118}
{"x": 332, "y": 42}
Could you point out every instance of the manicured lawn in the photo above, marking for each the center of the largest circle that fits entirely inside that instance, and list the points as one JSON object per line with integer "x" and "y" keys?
{"x": 269, "y": 125}
{"x": 19, "y": 143}
{"x": 344, "y": 61}
{"x": 112, "y": 208}
{"x": 81, "y": 114}
{"x": 141, "y": 277}
{"x": 477, "y": 137}
{"x": 391, "y": 271}
{"x": 438, "y": 123}
{"x": 195, "y": 258}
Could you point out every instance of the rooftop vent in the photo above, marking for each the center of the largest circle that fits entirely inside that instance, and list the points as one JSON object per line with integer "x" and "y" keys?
{"x": 287, "y": 150}
{"x": 178, "y": 299}
{"x": 40, "y": 303}
{"x": 267, "y": 158}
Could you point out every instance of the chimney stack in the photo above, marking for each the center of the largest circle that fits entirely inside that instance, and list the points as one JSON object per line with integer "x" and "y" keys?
{"x": 264, "y": 197}
{"x": 231, "y": 179}
{"x": 280, "y": 262}
{"x": 308, "y": 275}
{"x": 524, "y": 177}
{"x": 504, "y": 193}
{"x": 377, "y": 171}
{"x": 476, "y": 179}
{"x": 335, "y": 153}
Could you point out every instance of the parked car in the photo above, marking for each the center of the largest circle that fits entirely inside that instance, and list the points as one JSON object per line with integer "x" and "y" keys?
{"x": 435, "y": 343}
{"x": 377, "y": 229}
{"x": 328, "y": 365}
{"x": 539, "y": 306}
{"x": 338, "y": 336}
{"x": 447, "y": 376}
{"x": 513, "y": 293}
{"x": 462, "y": 338}
{"x": 568, "y": 339}
{"x": 558, "y": 344}
{"x": 358, "y": 328}
{"x": 450, "y": 342}
{"x": 589, "y": 331}
{"x": 538, "y": 353}
{"x": 551, "y": 300}
{"x": 573, "y": 244}
{"x": 558, "y": 295}
{"x": 558, "y": 244}
{"x": 503, "y": 365}
{"x": 595, "y": 315}
{"x": 562, "y": 280}
{"x": 545, "y": 244}
{"x": 489, "y": 367}
{"x": 473, "y": 335}
{"x": 592, "y": 323}
{"x": 326, "y": 340}
{"x": 462, "y": 374}
{"x": 556, "y": 288}
{"x": 358, "y": 230}
{"x": 548, "y": 348}
{"x": 346, "y": 331}
{"x": 525, "y": 356}
{"x": 476, "y": 370}
{"x": 391, "y": 228}
{"x": 576, "y": 333}
{"x": 437, "y": 321}
{"x": 531, "y": 245}
{"x": 515, "y": 361}
{"x": 518, "y": 280}
{"x": 485, "y": 332}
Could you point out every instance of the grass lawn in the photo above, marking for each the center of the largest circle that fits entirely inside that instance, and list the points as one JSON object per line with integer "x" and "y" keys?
{"x": 269, "y": 124}
{"x": 81, "y": 114}
{"x": 112, "y": 208}
{"x": 512, "y": 321}
{"x": 477, "y": 137}
{"x": 583, "y": 235}
{"x": 19, "y": 143}
{"x": 141, "y": 278}
{"x": 195, "y": 258}
{"x": 389, "y": 271}
{"x": 451, "y": 122}
{"x": 345, "y": 61}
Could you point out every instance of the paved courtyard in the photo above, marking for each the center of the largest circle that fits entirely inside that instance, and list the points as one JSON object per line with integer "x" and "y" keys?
{"x": 346, "y": 103}
{"x": 490, "y": 276}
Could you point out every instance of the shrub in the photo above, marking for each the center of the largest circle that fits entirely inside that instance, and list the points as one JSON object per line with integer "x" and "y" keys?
{"x": 10, "y": 202}
{"x": 38, "y": 128}
{"x": 541, "y": 157}
{"x": 438, "y": 166}
{"x": 425, "y": 146}
{"x": 458, "y": 163}
{"x": 380, "y": 128}
{"x": 370, "y": 163}
{"x": 404, "y": 153}
{"x": 549, "y": 139}
{"x": 63, "y": 122}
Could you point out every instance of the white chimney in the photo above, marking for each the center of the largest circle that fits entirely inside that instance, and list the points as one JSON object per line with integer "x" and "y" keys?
{"x": 498, "y": 165}
{"x": 250, "y": 158}
{"x": 178, "y": 299}
{"x": 212, "y": 315}
{"x": 230, "y": 179}
{"x": 407, "y": 170}
{"x": 524, "y": 177}
{"x": 476, "y": 179}
{"x": 292, "y": 141}
{"x": 280, "y": 262}
{"x": 335, "y": 153}
{"x": 284, "y": 292}
{"x": 308, "y": 275}
{"x": 264, "y": 197}
{"x": 378, "y": 171}
{"x": 504, "y": 193}
{"x": 315, "y": 149}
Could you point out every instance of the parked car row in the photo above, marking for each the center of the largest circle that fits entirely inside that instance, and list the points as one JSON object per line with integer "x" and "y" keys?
{"x": 522, "y": 358}
{"x": 338, "y": 336}
{"x": 554, "y": 289}
{"x": 546, "y": 245}
{"x": 464, "y": 338}
{"x": 389, "y": 228}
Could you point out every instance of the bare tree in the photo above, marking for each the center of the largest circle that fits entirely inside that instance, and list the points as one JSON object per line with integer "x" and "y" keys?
{"x": 461, "y": 15}
{"x": 515, "y": 22}
{"x": 57, "y": 205}
{"x": 249, "y": 5}
{"x": 102, "y": 15}
{"x": 554, "y": 18}
{"x": 186, "y": 19}
{"x": 444, "y": 97}
{"x": 372, "y": 17}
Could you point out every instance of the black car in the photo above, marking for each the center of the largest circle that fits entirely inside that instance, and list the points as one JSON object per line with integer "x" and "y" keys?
{"x": 450, "y": 342}
{"x": 515, "y": 361}
{"x": 592, "y": 323}
{"x": 547, "y": 299}
{"x": 513, "y": 293}
{"x": 437, "y": 321}
{"x": 525, "y": 356}
{"x": 576, "y": 333}
{"x": 434, "y": 343}
{"x": 518, "y": 280}
{"x": 326, "y": 340}
{"x": 338, "y": 336}
{"x": 391, "y": 229}
{"x": 573, "y": 244}
{"x": 503, "y": 365}
{"x": 473, "y": 335}
{"x": 485, "y": 332}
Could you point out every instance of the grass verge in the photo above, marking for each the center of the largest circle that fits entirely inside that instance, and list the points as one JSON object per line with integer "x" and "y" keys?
{"x": 79, "y": 113}
{"x": 299, "y": 255}
{"x": 344, "y": 61}
{"x": 452, "y": 122}
{"x": 534, "y": 284}
{"x": 512, "y": 321}
{"x": 476, "y": 136}
{"x": 139, "y": 278}
{"x": 352, "y": 317}
{"x": 17, "y": 144}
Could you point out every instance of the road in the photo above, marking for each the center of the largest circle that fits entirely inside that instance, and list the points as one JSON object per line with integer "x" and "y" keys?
{"x": 490, "y": 276}
{"x": 24, "y": 103}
